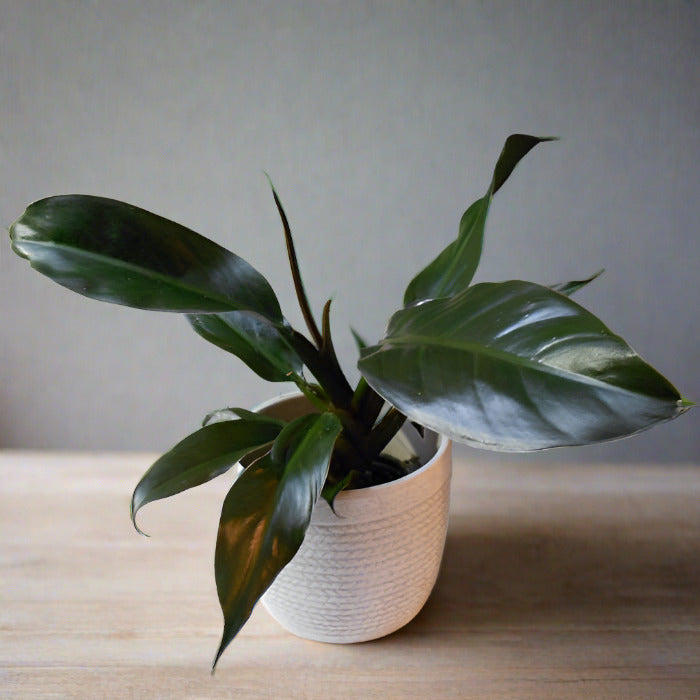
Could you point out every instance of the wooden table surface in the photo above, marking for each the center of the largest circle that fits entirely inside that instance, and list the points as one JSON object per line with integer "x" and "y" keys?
{"x": 558, "y": 582}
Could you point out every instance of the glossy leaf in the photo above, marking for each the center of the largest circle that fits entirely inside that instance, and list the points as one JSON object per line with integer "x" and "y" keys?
{"x": 203, "y": 455}
{"x": 234, "y": 412}
{"x": 115, "y": 252}
{"x": 332, "y": 488}
{"x": 265, "y": 516}
{"x": 569, "y": 288}
{"x": 264, "y": 346}
{"x": 515, "y": 366}
{"x": 453, "y": 269}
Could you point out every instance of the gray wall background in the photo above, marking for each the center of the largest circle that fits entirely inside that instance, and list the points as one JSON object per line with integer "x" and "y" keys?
{"x": 379, "y": 123}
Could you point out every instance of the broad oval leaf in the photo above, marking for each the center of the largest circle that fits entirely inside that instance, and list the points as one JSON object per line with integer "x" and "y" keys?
{"x": 261, "y": 344}
{"x": 265, "y": 516}
{"x": 515, "y": 366}
{"x": 115, "y": 252}
{"x": 453, "y": 269}
{"x": 201, "y": 456}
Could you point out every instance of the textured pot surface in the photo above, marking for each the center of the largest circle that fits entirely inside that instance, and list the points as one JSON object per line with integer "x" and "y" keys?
{"x": 367, "y": 569}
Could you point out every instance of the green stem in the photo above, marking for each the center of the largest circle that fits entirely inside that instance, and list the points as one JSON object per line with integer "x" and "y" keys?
{"x": 388, "y": 426}
{"x": 310, "y": 394}
{"x": 367, "y": 403}
{"x": 328, "y": 374}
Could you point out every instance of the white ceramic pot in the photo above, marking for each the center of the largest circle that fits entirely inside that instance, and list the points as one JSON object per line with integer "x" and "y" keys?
{"x": 368, "y": 569}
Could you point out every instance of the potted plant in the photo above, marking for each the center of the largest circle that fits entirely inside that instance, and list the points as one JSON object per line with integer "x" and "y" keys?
{"x": 512, "y": 366}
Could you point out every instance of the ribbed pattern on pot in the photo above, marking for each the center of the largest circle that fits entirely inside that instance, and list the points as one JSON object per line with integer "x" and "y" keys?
{"x": 366, "y": 573}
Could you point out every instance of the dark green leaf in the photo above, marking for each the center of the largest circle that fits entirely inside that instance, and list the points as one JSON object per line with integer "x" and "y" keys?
{"x": 116, "y": 252}
{"x": 331, "y": 490}
{"x": 200, "y": 457}
{"x": 265, "y": 516}
{"x": 516, "y": 366}
{"x": 453, "y": 269}
{"x": 517, "y": 146}
{"x": 420, "y": 429}
{"x": 233, "y": 413}
{"x": 222, "y": 414}
{"x": 264, "y": 346}
{"x": 569, "y": 288}
{"x": 359, "y": 340}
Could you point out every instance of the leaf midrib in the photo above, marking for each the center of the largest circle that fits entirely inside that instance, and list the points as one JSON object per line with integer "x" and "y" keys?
{"x": 229, "y": 456}
{"x": 510, "y": 358}
{"x": 142, "y": 271}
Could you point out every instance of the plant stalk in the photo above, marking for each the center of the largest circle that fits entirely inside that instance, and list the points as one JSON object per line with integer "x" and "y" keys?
{"x": 367, "y": 403}
{"x": 388, "y": 426}
{"x": 328, "y": 374}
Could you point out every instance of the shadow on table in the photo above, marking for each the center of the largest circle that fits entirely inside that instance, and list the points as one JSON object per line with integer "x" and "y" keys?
{"x": 535, "y": 577}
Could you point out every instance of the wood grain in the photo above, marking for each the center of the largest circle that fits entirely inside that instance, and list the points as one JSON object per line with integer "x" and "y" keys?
{"x": 558, "y": 582}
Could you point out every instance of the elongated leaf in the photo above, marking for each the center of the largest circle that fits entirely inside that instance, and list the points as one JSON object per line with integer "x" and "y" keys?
{"x": 207, "y": 453}
{"x": 234, "y": 412}
{"x": 303, "y": 300}
{"x": 516, "y": 366}
{"x": 453, "y": 269}
{"x": 569, "y": 288}
{"x": 116, "y": 252}
{"x": 360, "y": 342}
{"x": 261, "y": 344}
{"x": 265, "y": 516}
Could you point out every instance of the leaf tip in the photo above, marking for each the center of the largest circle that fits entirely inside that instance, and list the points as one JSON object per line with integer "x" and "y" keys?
{"x": 360, "y": 342}
{"x": 132, "y": 512}
{"x": 274, "y": 191}
{"x": 229, "y": 632}
{"x": 140, "y": 531}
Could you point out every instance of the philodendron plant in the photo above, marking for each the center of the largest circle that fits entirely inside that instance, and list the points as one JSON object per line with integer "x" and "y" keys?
{"x": 513, "y": 366}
